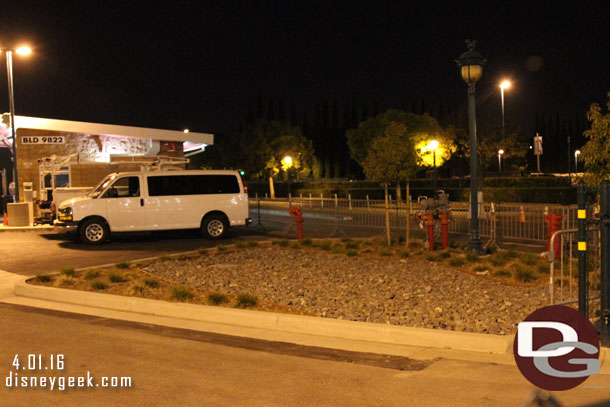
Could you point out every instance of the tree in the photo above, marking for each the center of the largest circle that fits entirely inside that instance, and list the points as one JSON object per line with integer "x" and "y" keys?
{"x": 596, "y": 152}
{"x": 392, "y": 158}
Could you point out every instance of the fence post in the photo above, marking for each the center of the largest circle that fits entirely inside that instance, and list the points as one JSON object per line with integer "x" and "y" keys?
{"x": 321, "y": 200}
{"x": 301, "y": 198}
{"x": 336, "y": 202}
{"x": 368, "y": 203}
{"x": 605, "y": 261}
{"x": 582, "y": 250}
{"x": 289, "y": 200}
{"x": 310, "y": 200}
{"x": 349, "y": 198}
{"x": 265, "y": 195}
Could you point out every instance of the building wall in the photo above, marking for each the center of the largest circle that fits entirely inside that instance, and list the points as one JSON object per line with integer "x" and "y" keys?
{"x": 89, "y": 149}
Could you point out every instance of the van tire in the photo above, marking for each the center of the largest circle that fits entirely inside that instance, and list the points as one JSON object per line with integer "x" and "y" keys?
{"x": 214, "y": 226}
{"x": 94, "y": 231}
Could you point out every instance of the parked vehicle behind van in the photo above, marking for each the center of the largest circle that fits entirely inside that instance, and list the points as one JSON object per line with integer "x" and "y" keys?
{"x": 211, "y": 201}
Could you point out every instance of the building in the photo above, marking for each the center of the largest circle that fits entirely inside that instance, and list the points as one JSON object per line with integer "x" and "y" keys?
{"x": 87, "y": 152}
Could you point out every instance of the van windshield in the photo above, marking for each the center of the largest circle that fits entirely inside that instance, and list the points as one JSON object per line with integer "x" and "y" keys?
{"x": 101, "y": 186}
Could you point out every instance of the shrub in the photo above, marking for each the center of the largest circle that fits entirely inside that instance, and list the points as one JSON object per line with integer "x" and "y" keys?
{"x": 353, "y": 244}
{"x": 386, "y": 253}
{"x": 217, "y": 298}
{"x": 498, "y": 259}
{"x": 470, "y": 256}
{"x": 98, "y": 285}
{"x": 501, "y": 273}
{"x": 116, "y": 278}
{"x": 401, "y": 239}
{"x": 415, "y": 245}
{"x": 245, "y": 300}
{"x": 182, "y": 257}
{"x": 457, "y": 262}
{"x": 337, "y": 250}
{"x": 403, "y": 254}
{"x": 444, "y": 254}
{"x": 221, "y": 248}
{"x": 295, "y": 245}
{"x": 151, "y": 282}
{"x": 543, "y": 268}
{"x": 529, "y": 259}
{"x": 281, "y": 243}
{"x": 345, "y": 239}
{"x": 164, "y": 257}
{"x": 91, "y": 274}
{"x": 43, "y": 278}
{"x": 511, "y": 254}
{"x": 481, "y": 268}
{"x": 252, "y": 243}
{"x": 122, "y": 265}
{"x": 524, "y": 274}
{"x": 202, "y": 250}
{"x": 241, "y": 245}
{"x": 433, "y": 257}
{"x": 65, "y": 282}
{"x": 137, "y": 290}
{"x": 181, "y": 293}
{"x": 306, "y": 242}
{"x": 67, "y": 271}
{"x": 351, "y": 253}
{"x": 325, "y": 245}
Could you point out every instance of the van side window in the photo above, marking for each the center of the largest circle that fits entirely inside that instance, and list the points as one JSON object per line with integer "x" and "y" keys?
{"x": 124, "y": 187}
{"x": 164, "y": 185}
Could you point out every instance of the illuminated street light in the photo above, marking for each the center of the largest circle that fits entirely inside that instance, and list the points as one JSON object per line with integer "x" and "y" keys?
{"x": 576, "y": 154}
{"x": 11, "y": 98}
{"x": 471, "y": 68}
{"x": 186, "y": 131}
{"x": 287, "y": 163}
{"x": 433, "y": 145}
{"x": 504, "y": 85}
{"x": 500, "y": 152}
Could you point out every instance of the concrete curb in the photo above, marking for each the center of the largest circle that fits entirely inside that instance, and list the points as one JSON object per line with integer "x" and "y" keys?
{"x": 297, "y": 324}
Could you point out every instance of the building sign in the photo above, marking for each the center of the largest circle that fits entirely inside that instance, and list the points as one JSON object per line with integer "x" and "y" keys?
{"x": 43, "y": 140}
{"x": 538, "y": 145}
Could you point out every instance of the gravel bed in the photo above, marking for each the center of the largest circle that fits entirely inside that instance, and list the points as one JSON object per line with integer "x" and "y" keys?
{"x": 383, "y": 290}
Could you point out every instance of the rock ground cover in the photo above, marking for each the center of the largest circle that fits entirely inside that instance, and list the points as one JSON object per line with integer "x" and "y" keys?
{"x": 353, "y": 280}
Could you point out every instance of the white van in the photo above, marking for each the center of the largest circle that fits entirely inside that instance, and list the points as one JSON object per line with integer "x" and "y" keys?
{"x": 157, "y": 200}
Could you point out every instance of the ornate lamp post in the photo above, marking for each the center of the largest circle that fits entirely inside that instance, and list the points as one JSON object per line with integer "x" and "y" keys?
{"x": 504, "y": 85}
{"x": 576, "y": 154}
{"x": 500, "y": 152}
{"x": 287, "y": 163}
{"x": 471, "y": 68}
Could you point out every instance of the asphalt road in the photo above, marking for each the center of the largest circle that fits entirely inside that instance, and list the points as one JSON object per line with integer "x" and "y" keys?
{"x": 39, "y": 253}
{"x": 172, "y": 367}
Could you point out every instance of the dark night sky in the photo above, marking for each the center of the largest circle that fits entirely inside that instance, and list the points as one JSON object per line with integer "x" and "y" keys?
{"x": 196, "y": 64}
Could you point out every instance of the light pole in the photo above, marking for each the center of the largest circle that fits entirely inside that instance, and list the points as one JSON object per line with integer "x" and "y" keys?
{"x": 471, "y": 68}
{"x": 11, "y": 99}
{"x": 433, "y": 145}
{"x": 287, "y": 163}
{"x": 500, "y": 152}
{"x": 504, "y": 85}
{"x": 576, "y": 154}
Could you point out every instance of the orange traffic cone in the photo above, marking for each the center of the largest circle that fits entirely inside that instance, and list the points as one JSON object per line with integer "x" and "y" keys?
{"x": 5, "y": 221}
{"x": 521, "y": 214}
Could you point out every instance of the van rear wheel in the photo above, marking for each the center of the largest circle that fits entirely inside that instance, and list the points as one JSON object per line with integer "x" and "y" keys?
{"x": 93, "y": 231}
{"x": 214, "y": 226}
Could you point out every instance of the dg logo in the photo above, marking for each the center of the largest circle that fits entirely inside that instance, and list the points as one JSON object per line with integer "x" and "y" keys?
{"x": 556, "y": 348}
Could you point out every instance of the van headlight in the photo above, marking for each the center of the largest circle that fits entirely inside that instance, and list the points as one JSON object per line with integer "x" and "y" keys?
{"x": 65, "y": 214}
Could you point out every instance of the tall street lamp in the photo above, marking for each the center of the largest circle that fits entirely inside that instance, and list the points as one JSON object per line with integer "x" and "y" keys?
{"x": 433, "y": 145}
{"x": 11, "y": 98}
{"x": 500, "y": 152}
{"x": 576, "y": 154}
{"x": 471, "y": 68}
{"x": 504, "y": 85}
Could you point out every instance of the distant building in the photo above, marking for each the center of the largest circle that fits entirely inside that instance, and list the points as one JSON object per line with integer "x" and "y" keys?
{"x": 90, "y": 151}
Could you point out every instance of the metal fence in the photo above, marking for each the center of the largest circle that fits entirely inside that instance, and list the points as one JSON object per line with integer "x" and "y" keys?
{"x": 508, "y": 222}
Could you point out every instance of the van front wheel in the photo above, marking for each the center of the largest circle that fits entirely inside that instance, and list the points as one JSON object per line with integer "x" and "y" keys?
{"x": 93, "y": 231}
{"x": 214, "y": 226}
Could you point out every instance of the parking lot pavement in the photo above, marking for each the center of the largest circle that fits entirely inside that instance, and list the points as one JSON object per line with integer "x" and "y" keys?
{"x": 36, "y": 253}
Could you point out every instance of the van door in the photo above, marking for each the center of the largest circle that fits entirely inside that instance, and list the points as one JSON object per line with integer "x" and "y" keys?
{"x": 125, "y": 205}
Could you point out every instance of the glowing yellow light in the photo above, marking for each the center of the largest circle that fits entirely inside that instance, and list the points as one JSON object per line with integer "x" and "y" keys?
{"x": 23, "y": 50}
{"x": 433, "y": 145}
{"x": 286, "y": 163}
{"x": 500, "y": 151}
{"x": 426, "y": 150}
{"x": 505, "y": 84}
{"x": 576, "y": 153}
{"x": 186, "y": 130}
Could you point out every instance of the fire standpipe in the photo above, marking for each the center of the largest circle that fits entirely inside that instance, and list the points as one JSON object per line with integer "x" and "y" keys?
{"x": 554, "y": 220}
{"x": 434, "y": 213}
{"x": 294, "y": 211}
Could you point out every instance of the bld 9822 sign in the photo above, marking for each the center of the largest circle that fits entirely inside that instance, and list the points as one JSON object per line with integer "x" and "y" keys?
{"x": 43, "y": 140}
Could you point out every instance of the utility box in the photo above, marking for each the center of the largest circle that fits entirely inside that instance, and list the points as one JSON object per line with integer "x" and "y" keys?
{"x": 19, "y": 214}
{"x": 28, "y": 192}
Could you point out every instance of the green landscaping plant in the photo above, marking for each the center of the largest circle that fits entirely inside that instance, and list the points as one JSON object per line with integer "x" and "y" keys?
{"x": 306, "y": 242}
{"x": 43, "y": 278}
{"x": 325, "y": 245}
{"x": 433, "y": 257}
{"x": 444, "y": 254}
{"x": 122, "y": 265}
{"x": 352, "y": 253}
{"x": 245, "y": 300}
{"x": 164, "y": 257}
{"x": 151, "y": 282}
{"x": 523, "y": 274}
{"x": 91, "y": 274}
{"x": 501, "y": 273}
{"x": 137, "y": 290}
{"x": 471, "y": 257}
{"x": 457, "y": 262}
{"x": 281, "y": 243}
{"x": 221, "y": 248}
{"x": 67, "y": 271}
{"x": 116, "y": 278}
{"x": 386, "y": 253}
{"x": 403, "y": 254}
{"x": 252, "y": 243}
{"x": 241, "y": 245}
{"x": 181, "y": 293}
{"x": 98, "y": 285}
{"x": 217, "y": 298}
{"x": 65, "y": 282}
{"x": 295, "y": 245}
{"x": 202, "y": 250}
{"x": 352, "y": 244}
{"x": 544, "y": 268}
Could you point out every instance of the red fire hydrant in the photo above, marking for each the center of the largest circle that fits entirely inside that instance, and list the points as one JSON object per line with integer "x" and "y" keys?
{"x": 444, "y": 215}
{"x": 294, "y": 211}
{"x": 554, "y": 220}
